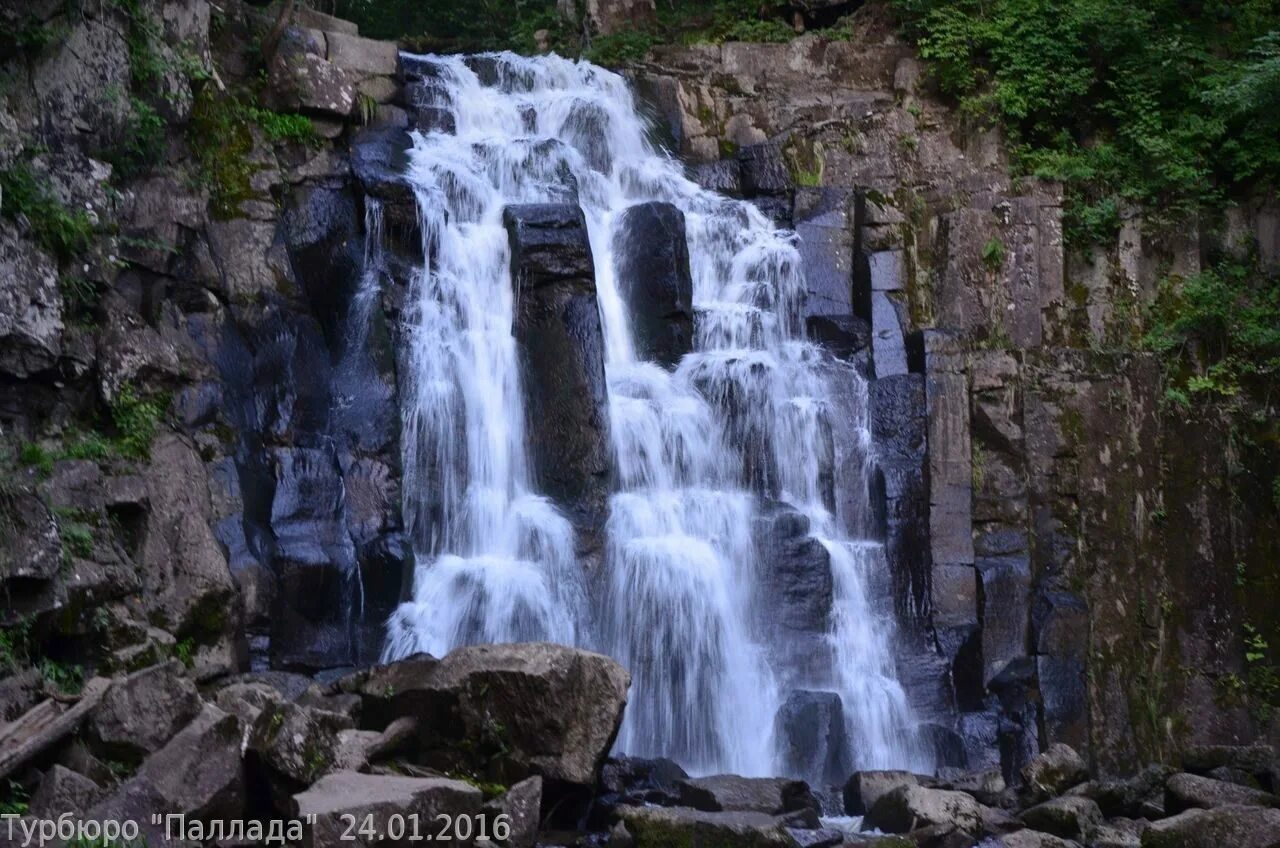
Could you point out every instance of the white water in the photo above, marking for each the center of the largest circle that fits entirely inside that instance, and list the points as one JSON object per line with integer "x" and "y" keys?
{"x": 698, "y": 451}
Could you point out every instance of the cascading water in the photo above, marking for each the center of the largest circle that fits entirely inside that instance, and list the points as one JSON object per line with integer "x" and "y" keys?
{"x": 741, "y": 426}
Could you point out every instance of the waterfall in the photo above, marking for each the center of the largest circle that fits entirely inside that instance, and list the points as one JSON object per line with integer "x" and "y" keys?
{"x": 739, "y": 429}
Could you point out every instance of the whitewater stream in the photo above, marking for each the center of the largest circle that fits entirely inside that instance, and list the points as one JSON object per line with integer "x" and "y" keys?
{"x": 755, "y": 420}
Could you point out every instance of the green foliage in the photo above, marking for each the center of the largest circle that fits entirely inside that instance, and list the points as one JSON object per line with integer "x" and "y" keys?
{"x": 79, "y": 297}
{"x": 620, "y": 48}
{"x": 1219, "y": 330}
{"x": 14, "y": 801}
{"x": 993, "y": 254}
{"x": 143, "y": 142}
{"x": 135, "y": 420}
{"x": 468, "y": 26}
{"x": 61, "y": 231}
{"x": 453, "y": 25}
{"x": 184, "y": 652}
{"x": 77, "y": 539}
{"x": 30, "y": 36}
{"x": 15, "y": 646}
{"x": 64, "y": 677}
{"x": 221, "y": 138}
{"x": 90, "y": 445}
{"x": 1167, "y": 104}
{"x": 279, "y": 126}
{"x": 34, "y": 456}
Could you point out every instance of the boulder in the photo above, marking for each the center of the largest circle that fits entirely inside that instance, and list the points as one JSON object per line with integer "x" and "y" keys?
{"x": 363, "y": 56}
{"x": 1258, "y": 760}
{"x": 1027, "y": 839}
{"x": 1071, "y": 817}
{"x": 198, "y": 773}
{"x": 1186, "y": 791}
{"x": 143, "y": 711}
{"x": 561, "y": 343}
{"x": 651, "y": 263}
{"x": 246, "y": 699}
{"x": 638, "y": 780}
{"x": 811, "y": 735}
{"x": 295, "y": 743}
{"x": 1053, "y": 772}
{"x": 1140, "y": 796}
{"x": 729, "y": 793}
{"x": 864, "y": 788}
{"x": 1235, "y": 826}
{"x": 387, "y": 802}
{"x": 522, "y": 805}
{"x": 906, "y": 807}
{"x": 308, "y": 83}
{"x": 61, "y": 791}
{"x": 1119, "y": 833}
{"x": 505, "y": 712}
{"x": 30, "y": 307}
{"x": 664, "y": 827}
{"x": 988, "y": 787}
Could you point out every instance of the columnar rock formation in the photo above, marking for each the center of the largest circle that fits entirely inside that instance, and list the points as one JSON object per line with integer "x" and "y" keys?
{"x": 1038, "y": 523}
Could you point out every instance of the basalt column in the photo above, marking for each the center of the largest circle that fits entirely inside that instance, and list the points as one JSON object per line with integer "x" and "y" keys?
{"x": 557, "y": 330}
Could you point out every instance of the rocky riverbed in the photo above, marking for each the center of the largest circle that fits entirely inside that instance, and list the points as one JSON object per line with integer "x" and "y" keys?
{"x": 515, "y": 740}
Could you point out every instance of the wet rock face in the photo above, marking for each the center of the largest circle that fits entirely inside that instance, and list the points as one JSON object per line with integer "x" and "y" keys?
{"x": 813, "y": 742}
{"x": 651, "y": 258}
{"x": 558, "y": 332}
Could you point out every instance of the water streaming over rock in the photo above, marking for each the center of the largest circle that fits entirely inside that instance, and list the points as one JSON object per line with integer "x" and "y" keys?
{"x": 707, "y": 450}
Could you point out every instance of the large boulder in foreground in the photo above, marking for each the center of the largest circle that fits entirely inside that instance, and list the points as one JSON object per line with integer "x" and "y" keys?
{"x": 907, "y": 807}
{"x": 1236, "y": 826}
{"x": 664, "y": 827}
{"x": 1187, "y": 791}
{"x": 504, "y": 712}
{"x": 375, "y": 799}
{"x": 730, "y": 793}
{"x": 1053, "y": 772}
{"x": 143, "y": 711}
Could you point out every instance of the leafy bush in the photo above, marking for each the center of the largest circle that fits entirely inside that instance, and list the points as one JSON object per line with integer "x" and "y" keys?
{"x": 1167, "y": 104}
{"x": 1219, "y": 330}
{"x": 136, "y": 420}
{"x": 61, "y": 231}
{"x": 77, "y": 539}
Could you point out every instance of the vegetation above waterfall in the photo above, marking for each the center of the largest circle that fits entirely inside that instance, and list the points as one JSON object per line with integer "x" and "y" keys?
{"x": 1159, "y": 104}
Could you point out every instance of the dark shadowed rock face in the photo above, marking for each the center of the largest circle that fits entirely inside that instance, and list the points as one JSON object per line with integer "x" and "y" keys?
{"x": 651, "y": 258}
{"x": 557, "y": 329}
{"x": 810, "y": 727}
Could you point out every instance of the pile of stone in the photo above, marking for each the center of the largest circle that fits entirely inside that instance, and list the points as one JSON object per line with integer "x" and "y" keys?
{"x": 488, "y": 731}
